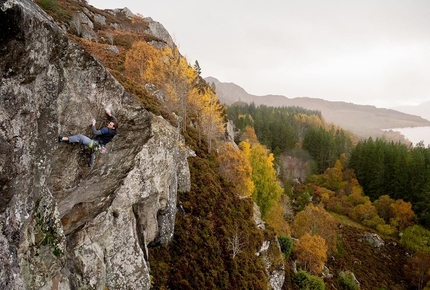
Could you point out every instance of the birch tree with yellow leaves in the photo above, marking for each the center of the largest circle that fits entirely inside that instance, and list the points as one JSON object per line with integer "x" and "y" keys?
{"x": 207, "y": 114}
{"x": 311, "y": 252}
{"x": 141, "y": 62}
{"x": 170, "y": 72}
{"x": 235, "y": 168}
{"x": 267, "y": 190}
{"x": 178, "y": 81}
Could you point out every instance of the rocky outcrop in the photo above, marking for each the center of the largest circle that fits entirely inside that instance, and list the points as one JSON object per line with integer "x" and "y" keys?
{"x": 157, "y": 29}
{"x": 64, "y": 225}
{"x": 271, "y": 255}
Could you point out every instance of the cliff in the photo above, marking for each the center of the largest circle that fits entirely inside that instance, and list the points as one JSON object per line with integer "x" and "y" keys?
{"x": 64, "y": 225}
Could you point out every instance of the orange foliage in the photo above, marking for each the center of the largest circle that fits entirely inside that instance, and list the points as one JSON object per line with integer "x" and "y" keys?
{"x": 140, "y": 62}
{"x": 418, "y": 269}
{"x": 366, "y": 214}
{"x": 311, "y": 252}
{"x": 235, "y": 167}
{"x": 403, "y": 214}
{"x": 315, "y": 220}
{"x": 276, "y": 217}
{"x": 250, "y": 134}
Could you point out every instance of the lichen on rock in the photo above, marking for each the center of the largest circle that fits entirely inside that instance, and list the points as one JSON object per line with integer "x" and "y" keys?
{"x": 63, "y": 224}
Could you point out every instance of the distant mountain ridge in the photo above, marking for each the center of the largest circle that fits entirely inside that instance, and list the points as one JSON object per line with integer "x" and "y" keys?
{"x": 363, "y": 120}
{"x": 422, "y": 110}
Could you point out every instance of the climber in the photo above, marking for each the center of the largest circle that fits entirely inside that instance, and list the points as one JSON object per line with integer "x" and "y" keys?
{"x": 103, "y": 136}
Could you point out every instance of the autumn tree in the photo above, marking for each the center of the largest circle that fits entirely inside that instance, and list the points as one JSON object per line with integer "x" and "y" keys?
{"x": 356, "y": 195}
{"x": 311, "y": 253}
{"x": 416, "y": 238}
{"x": 403, "y": 214}
{"x": 249, "y": 134}
{"x": 402, "y": 171}
{"x": 208, "y": 114}
{"x": 383, "y": 206}
{"x": 332, "y": 178}
{"x": 315, "y": 220}
{"x": 177, "y": 82}
{"x": 267, "y": 189}
{"x": 142, "y": 62}
{"x": 366, "y": 214}
{"x": 277, "y": 216}
{"x": 170, "y": 72}
{"x": 235, "y": 168}
{"x": 417, "y": 269}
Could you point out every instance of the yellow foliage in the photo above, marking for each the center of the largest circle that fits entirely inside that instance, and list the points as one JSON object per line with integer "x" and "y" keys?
{"x": 357, "y": 197}
{"x": 324, "y": 193}
{"x": 364, "y": 212}
{"x": 267, "y": 189}
{"x": 170, "y": 72}
{"x": 316, "y": 220}
{"x": 250, "y": 134}
{"x": 176, "y": 81}
{"x": 311, "y": 252}
{"x": 209, "y": 110}
{"x": 338, "y": 165}
{"x": 333, "y": 178}
{"x": 403, "y": 214}
{"x": 386, "y": 229}
{"x": 141, "y": 62}
{"x": 276, "y": 217}
{"x": 235, "y": 167}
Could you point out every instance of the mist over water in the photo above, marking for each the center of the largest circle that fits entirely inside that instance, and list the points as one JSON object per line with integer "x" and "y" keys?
{"x": 415, "y": 134}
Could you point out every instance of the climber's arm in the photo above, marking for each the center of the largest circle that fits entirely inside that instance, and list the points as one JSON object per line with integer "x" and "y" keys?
{"x": 95, "y": 131}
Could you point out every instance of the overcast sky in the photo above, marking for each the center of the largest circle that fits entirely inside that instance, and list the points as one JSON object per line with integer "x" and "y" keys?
{"x": 364, "y": 52}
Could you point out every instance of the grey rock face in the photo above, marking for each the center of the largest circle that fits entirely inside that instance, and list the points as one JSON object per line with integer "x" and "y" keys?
{"x": 64, "y": 225}
{"x": 158, "y": 30}
{"x": 275, "y": 269}
{"x": 374, "y": 239}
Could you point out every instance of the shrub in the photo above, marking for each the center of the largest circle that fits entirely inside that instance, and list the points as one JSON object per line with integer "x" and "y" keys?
{"x": 386, "y": 229}
{"x": 49, "y": 4}
{"x": 347, "y": 281}
{"x": 286, "y": 244}
{"x": 308, "y": 281}
{"x": 416, "y": 238}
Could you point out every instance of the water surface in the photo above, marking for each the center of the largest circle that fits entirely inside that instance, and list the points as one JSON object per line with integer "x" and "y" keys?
{"x": 415, "y": 134}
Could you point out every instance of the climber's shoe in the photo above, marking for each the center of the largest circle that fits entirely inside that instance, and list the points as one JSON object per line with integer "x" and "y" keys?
{"x": 102, "y": 149}
{"x": 60, "y": 138}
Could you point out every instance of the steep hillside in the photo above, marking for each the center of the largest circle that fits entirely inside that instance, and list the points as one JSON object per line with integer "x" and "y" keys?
{"x": 362, "y": 120}
{"x": 375, "y": 267}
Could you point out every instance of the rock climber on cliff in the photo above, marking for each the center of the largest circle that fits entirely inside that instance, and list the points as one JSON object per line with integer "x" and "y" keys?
{"x": 103, "y": 136}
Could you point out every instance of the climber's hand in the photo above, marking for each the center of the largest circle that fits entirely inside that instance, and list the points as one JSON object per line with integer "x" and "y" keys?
{"x": 94, "y": 122}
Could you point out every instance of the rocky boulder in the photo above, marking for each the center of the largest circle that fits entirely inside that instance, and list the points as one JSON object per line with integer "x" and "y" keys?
{"x": 64, "y": 225}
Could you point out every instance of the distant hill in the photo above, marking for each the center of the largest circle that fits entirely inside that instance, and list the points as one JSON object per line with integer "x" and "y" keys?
{"x": 422, "y": 110}
{"x": 362, "y": 120}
